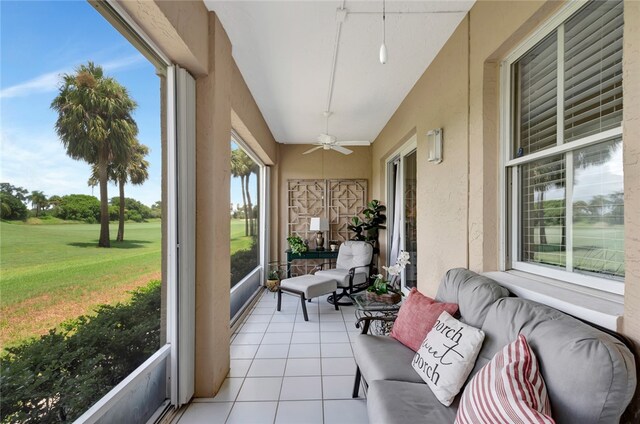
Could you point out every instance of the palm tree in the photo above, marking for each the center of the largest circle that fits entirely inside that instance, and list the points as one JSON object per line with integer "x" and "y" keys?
{"x": 38, "y": 201}
{"x": 239, "y": 169}
{"x": 134, "y": 171}
{"x": 95, "y": 125}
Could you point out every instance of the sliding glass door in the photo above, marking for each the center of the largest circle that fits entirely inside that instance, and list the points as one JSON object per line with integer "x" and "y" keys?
{"x": 402, "y": 208}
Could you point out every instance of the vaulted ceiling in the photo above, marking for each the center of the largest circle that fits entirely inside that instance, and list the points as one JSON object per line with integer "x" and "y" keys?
{"x": 285, "y": 52}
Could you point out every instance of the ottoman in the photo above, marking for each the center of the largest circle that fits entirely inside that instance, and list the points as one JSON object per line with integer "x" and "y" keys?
{"x": 307, "y": 287}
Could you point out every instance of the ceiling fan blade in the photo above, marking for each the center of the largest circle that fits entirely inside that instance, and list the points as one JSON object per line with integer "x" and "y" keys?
{"x": 354, "y": 143}
{"x": 313, "y": 149}
{"x": 341, "y": 149}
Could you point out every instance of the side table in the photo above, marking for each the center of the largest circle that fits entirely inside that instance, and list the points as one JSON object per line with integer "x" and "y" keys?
{"x": 369, "y": 311}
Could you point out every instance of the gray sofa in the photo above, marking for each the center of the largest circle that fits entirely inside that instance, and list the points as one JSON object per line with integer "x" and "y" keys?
{"x": 590, "y": 375}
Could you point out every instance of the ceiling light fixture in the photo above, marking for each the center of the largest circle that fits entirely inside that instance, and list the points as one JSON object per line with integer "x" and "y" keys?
{"x": 383, "y": 47}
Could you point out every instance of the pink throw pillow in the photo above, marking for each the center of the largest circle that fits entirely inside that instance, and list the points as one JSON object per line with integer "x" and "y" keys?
{"x": 509, "y": 389}
{"x": 416, "y": 316}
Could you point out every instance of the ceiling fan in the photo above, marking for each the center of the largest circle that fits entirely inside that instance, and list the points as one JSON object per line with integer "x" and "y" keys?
{"x": 327, "y": 141}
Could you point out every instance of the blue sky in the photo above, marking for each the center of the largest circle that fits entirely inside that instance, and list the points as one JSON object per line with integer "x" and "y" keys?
{"x": 40, "y": 41}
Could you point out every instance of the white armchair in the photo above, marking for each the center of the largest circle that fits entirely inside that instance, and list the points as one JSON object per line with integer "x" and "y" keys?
{"x": 352, "y": 268}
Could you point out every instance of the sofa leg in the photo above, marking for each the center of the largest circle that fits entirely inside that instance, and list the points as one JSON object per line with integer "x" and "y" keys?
{"x": 304, "y": 307}
{"x": 279, "y": 298}
{"x": 356, "y": 383}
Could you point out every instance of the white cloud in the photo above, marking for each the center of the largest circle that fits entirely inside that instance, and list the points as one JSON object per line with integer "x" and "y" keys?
{"x": 49, "y": 82}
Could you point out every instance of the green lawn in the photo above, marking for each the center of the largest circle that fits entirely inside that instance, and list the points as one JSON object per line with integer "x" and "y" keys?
{"x": 238, "y": 240}
{"x": 49, "y": 273}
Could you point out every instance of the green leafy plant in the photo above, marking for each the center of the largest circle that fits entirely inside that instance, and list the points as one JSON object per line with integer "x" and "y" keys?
{"x": 367, "y": 228}
{"x": 273, "y": 275}
{"x": 381, "y": 285}
{"x": 56, "y": 377}
{"x": 296, "y": 244}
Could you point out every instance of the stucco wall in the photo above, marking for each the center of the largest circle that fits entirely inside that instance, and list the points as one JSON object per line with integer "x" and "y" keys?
{"x": 321, "y": 164}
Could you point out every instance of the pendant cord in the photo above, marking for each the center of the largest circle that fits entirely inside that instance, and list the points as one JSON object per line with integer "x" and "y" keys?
{"x": 384, "y": 32}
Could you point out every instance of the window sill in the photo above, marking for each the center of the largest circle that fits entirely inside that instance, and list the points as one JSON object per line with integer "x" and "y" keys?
{"x": 601, "y": 308}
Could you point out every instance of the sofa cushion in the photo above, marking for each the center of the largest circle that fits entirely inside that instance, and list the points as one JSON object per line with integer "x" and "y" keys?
{"x": 400, "y": 402}
{"x": 384, "y": 358}
{"x": 447, "y": 355}
{"x": 473, "y": 294}
{"x": 508, "y": 389}
{"x": 590, "y": 375}
{"x": 416, "y": 316}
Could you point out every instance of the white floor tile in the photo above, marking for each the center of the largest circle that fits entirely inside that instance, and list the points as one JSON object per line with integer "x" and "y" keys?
{"x": 301, "y": 388}
{"x": 329, "y": 317}
{"x": 332, "y": 326}
{"x": 337, "y": 387}
{"x": 305, "y": 327}
{"x": 239, "y": 367}
{"x": 306, "y": 338}
{"x": 229, "y": 390}
{"x": 272, "y": 351}
{"x": 302, "y": 367}
{"x": 280, "y": 327}
{"x": 252, "y": 413}
{"x": 276, "y": 338}
{"x": 338, "y": 366}
{"x": 259, "y": 327}
{"x": 283, "y": 318}
{"x": 258, "y": 318}
{"x": 336, "y": 350}
{"x": 267, "y": 368}
{"x": 353, "y": 335}
{"x": 263, "y": 310}
{"x": 243, "y": 351}
{"x": 310, "y": 350}
{"x": 247, "y": 338}
{"x": 300, "y": 412}
{"x": 214, "y": 413}
{"x": 334, "y": 337}
{"x": 345, "y": 411}
{"x": 260, "y": 388}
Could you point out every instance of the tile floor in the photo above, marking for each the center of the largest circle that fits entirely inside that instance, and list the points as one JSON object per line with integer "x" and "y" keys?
{"x": 286, "y": 370}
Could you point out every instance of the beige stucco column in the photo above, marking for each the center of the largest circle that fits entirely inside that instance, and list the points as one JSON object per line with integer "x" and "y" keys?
{"x": 213, "y": 150}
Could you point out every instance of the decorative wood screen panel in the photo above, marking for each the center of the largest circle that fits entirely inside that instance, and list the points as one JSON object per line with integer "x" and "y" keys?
{"x": 337, "y": 200}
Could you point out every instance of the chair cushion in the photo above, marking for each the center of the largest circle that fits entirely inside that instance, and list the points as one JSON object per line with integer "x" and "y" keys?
{"x": 509, "y": 388}
{"x": 473, "y": 294}
{"x": 341, "y": 276}
{"x": 384, "y": 358}
{"x": 590, "y": 375}
{"x": 416, "y": 316}
{"x": 354, "y": 253}
{"x": 311, "y": 285}
{"x": 401, "y": 402}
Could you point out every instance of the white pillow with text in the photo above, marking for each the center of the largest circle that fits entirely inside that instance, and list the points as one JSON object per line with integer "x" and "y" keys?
{"x": 447, "y": 356}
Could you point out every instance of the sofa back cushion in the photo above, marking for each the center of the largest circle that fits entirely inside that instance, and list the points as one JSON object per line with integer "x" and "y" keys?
{"x": 473, "y": 294}
{"x": 590, "y": 375}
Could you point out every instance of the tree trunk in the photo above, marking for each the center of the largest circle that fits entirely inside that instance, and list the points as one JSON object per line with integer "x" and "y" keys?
{"x": 250, "y": 206}
{"x": 104, "y": 205}
{"x": 543, "y": 232}
{"x": 121, "y": 212}
{"x": 244, "y": 207}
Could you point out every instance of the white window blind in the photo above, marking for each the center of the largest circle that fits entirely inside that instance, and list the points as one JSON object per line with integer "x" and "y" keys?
{"x": 593, "y": 69}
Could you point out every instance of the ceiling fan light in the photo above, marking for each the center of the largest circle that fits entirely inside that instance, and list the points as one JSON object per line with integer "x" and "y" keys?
{"x": 383, "y": 53}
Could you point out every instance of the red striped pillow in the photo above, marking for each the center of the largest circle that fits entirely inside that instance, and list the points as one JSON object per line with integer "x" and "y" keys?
{"x": 509, "y": 389}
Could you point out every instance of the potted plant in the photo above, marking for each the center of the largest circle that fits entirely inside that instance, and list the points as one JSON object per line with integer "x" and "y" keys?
{"x": 273, "y": 279}
{"x": 367, "y": 228}
{"x": 296, "y": 244}
{"x": 386, "y": 290}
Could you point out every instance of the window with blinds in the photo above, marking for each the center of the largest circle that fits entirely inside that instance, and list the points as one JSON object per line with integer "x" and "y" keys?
{"x": 566, "y": 157}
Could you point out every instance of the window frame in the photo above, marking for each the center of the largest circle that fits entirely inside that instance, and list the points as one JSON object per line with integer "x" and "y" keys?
{"x": 509, "y": 164}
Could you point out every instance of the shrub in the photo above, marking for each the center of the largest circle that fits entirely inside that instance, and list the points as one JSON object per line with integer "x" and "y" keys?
{"x": 58, "y": 376}
{"x": 242, "y": 262}
{"x": 11, "y": 207}
{"x": 135, "y": 210}
{"x": 79, "y": 207}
